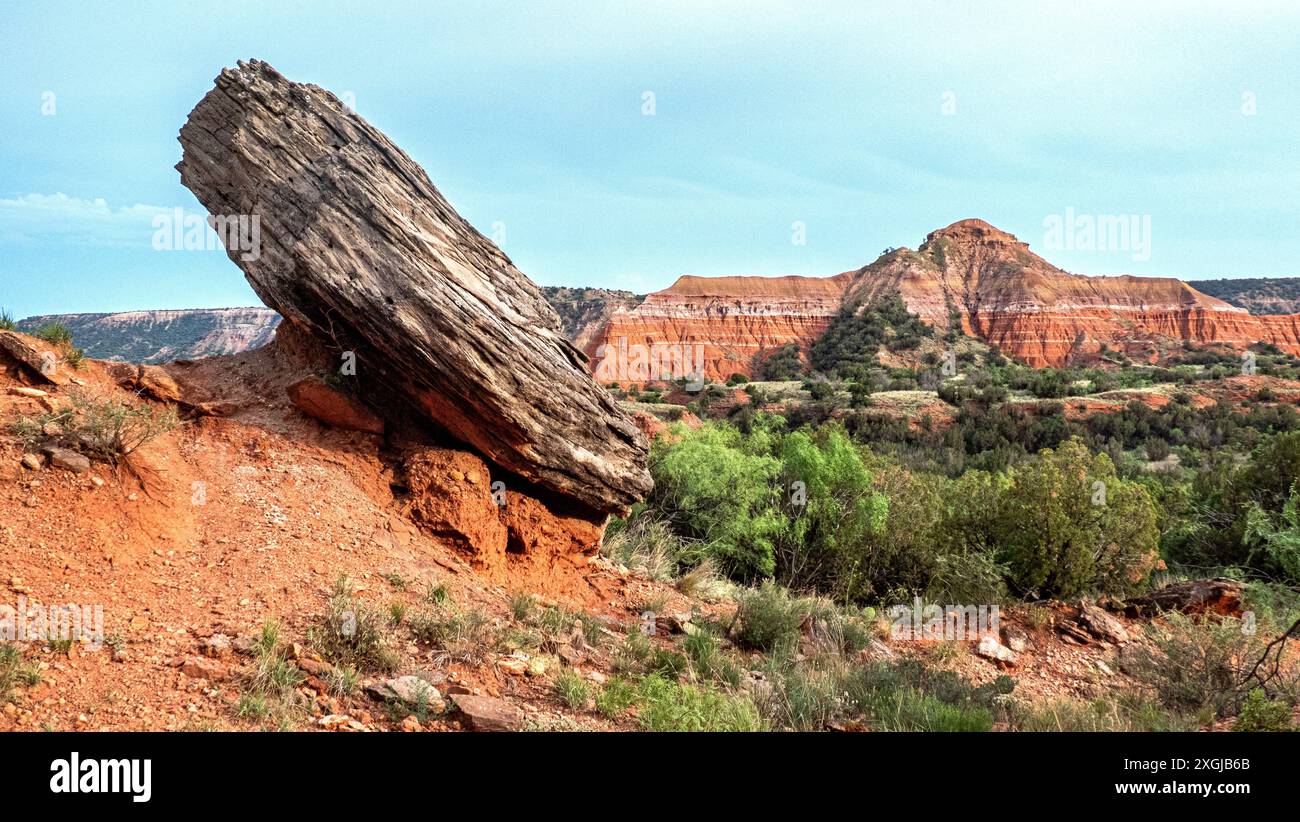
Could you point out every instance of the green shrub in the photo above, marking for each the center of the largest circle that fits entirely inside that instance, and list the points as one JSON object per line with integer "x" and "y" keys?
{"x": 798, "y": 506}
{"x": 856, "y": 335}
{"x": 74, "y": 357}
{"x": 571, "y": 688}
{"x": 713, "y": 488}
{"x": 1198, "y": 665}
{"x": 832, "y": 510}
{"x": 1259, "y": 713}
{"x": 664, "y": 705}
{"x": 768, "y": 619}
{"x": 1067, "y": 525}
{"x": 107, "y": 428}
{"x": 354, "y": 633}
{"x": 821, "y": 391}
{"x": 785, "y": 363}
{"x": 15, "y": 671}
{"x": 649, "y": 546}
{"x": 615, "y": 697}
{"x": 55, "y": 334}
{"x": 1278, "y": 542}
{"x": 466, "y": 635}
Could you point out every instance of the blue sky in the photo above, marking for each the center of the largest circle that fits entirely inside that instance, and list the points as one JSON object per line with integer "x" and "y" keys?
{"x": 868, "y": 124}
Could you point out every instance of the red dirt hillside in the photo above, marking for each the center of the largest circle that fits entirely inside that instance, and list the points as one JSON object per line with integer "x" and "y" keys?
{"x": 227, "y": 522}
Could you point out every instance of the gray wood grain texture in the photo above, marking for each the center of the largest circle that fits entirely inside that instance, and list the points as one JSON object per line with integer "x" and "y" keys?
{"x": 357, "y": 245}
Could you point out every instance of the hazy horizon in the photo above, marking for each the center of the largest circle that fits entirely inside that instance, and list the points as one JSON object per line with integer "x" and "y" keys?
{"x": 625, "y": 145}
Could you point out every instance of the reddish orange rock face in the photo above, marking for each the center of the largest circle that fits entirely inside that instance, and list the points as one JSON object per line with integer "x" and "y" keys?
{"x": 526, "y": 538}
{"x": 970, "y": 271}
{"x": 715, "y": 325}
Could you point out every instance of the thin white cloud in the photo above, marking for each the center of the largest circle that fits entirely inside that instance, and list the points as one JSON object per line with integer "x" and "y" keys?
{"x": 41, "y": 219}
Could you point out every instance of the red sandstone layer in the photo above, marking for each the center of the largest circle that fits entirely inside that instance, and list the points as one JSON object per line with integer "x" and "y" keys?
{"x": 1001, "y": 292}
{"x": 717, "y": 323}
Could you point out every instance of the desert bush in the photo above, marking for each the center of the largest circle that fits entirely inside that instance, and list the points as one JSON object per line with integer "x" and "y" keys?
{"x": 856, "y": 335}
{"x": 1277, "y": 541}
{"x": 1199, "y": 665}
{"x": 571, "y": 688}
{"x": 464, "y": 634}
{"x": 102, "y": 427}
{"x": 1275, "y": 605}
{"x": 831, "y": 511}
{"x": 1157, "y": 449}
{"x": 664, "y": 705}
{"x": 54, "y": 333}
{"x": 702, "y": 582}
{"x": 897, "y": 561}
{"x": 1123, "y": 712}
{"x": 784, "y": 363}
{"x": 971, "y": 577}
{"x": 821, "y": 391}
{"x": 615, "y": 697}
{"x": 768, "y": 619}
{"x": 354, "y": 633}
{"x": 712, "y": 486}
{"x": 1226, "y": 499}
{"x": 1259, "y": 713}
{"x": 649, "y": 546}
{"x": 15, "y": 671}
{"x": 1067, "y": 525}
{"x": 797, "y": 506}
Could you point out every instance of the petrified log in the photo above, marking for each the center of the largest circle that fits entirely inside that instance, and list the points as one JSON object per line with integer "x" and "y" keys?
{"x": 40, "y": 359}
{"x": 1196, "y": 596}
{"x": 1101, "y": 624}
{"x": 353, "y": 242}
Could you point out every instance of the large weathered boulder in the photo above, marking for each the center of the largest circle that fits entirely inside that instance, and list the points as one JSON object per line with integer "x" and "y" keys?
{"x": 38, "y": 357}
{"x": 353, "y": 242}
{"x": 1218, "y": 595}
